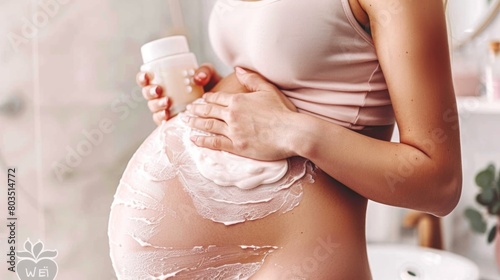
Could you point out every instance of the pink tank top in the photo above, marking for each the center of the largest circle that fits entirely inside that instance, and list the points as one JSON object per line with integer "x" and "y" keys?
{"x": 314, "y": 51}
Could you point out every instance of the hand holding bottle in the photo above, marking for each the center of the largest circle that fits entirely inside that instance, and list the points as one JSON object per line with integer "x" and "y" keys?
{"x": 158, "y": 101}
{"x": 171, "y": 68}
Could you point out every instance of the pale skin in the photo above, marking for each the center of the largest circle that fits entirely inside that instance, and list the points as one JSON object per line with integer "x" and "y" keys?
{"x": 422, "y": 172}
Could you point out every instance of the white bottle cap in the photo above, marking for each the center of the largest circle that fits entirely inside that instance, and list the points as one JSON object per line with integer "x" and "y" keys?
{"x": 164, "y": 47}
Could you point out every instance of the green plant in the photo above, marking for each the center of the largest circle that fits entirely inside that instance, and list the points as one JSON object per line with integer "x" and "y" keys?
{"x": 489, "y": 197}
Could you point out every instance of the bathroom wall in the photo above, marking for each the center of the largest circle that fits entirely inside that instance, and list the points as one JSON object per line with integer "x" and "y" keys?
{"x": 73, "y": 65}
{"x": 480, "y": 131}
{"x": 479, "y": 134}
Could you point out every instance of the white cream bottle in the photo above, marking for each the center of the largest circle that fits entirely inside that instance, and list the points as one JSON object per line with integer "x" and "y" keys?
{"x": 173, "y": 66}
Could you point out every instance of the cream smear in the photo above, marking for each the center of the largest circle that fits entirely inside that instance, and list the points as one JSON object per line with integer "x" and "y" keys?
{"x": 168, "y": 154}
{"x": 226, "y": 169}
{"x": 146, "y": 210}
{"x": 230, "y": 204}
{"x": 199, "y": 262}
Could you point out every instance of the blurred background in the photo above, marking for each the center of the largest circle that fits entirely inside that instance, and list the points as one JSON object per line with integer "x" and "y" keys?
{"x": 71, "y": 116}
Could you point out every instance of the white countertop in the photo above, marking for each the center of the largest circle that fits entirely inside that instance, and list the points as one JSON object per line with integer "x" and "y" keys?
{"x": 487, "y": 268}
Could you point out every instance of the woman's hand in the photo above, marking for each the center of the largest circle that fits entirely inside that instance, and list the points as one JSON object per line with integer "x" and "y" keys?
{"x": 255, "y": 125}
{"x": 158, "y": 101}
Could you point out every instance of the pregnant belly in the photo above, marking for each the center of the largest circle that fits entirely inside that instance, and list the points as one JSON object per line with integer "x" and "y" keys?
{"x": 168, "y": 220}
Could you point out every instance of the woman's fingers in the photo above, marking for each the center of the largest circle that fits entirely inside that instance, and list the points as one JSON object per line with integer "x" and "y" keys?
{"x": 161, "y": 116}
{"x": 159, "y": 108}
{"x": 201, "y": 77}
{"x": 213, "y": 142}
{"x": 152, "y": 92}
{"x": 208, "y": 111}
{"x": 144, "y": 78}
{"x": 159, "y": 104}
{"x": 220, "y": 98}
{"x": 253, "y": 81}
{"x": 204, "y": 74}
{"x": 208, "y": 125}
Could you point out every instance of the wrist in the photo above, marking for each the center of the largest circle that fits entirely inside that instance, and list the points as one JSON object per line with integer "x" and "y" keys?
{"x": 300, "y": 140}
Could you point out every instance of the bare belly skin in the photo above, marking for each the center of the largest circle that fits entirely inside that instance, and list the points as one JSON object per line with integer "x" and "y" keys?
{"x": 156, "y": 231}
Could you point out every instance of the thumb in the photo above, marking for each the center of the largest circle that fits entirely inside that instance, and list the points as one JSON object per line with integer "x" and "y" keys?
{"x": 252, "y": 81}
{"x": 205, "y": 75}
{"x": 256, "y": 82}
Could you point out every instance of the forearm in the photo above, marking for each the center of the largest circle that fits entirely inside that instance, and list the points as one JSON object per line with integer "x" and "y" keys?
{"x": 422, "y": 172}
{"x": 397, "y": 174}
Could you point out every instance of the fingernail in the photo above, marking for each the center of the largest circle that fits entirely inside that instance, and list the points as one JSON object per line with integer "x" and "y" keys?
{"x": 142, "y": 77}
{"x": 240, "y": 70}
{"x": 193, "y": 138}
{"x": 154, "y": 91}
{"x": 201, "y": 76}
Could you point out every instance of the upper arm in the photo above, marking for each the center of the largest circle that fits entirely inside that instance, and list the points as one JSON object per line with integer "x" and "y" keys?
{"x": 411, "y": 40}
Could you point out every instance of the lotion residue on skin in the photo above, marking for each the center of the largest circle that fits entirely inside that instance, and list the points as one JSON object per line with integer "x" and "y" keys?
{"x": 232, "y": 204}
{"x": 229, "y": 170}
{"x": 140, "y": 215}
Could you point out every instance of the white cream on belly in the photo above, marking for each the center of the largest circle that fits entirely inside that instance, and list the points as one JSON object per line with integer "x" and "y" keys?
{"x": 137, "y": 246}
{"x": 237, "y": 190}
{"x": 255, "y": 190}
{"x": 226, "y": 169}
